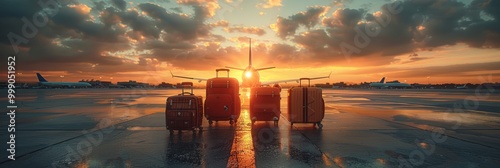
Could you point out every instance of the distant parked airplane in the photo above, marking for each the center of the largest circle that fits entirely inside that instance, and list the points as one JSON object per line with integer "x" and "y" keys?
{"x": 44, "y": 82}
{"x": 462, "y": 87}
{"x": 392, "y": 84}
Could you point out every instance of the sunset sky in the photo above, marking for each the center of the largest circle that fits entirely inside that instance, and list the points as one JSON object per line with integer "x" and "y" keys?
{"x": 413, "y": 41}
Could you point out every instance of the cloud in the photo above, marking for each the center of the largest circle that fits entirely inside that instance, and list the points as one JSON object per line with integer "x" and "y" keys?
{"x": 340, "y": 3}
{"x": 120, "y": 4}
{"x": 420, "y": 25}
{"x": 249, "y": 30}
{"x": 464, "y": 69}
{"x": 456, "y": 70}
{"x": 140, "y": 24}
{"x": 210, "y": 6}
{"x": 270, "y": 4}
{"x": 115, "y": 36}
{"x": 287, "y": 26}
{"x": 221, "y": 23}
{"x": 178, "y": 26}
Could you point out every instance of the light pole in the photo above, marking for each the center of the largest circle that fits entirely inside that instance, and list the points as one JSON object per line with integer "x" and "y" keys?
{"x": 428, "y": 81}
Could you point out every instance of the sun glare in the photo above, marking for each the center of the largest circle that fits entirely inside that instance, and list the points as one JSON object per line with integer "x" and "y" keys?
{"x": 248, "y": 74}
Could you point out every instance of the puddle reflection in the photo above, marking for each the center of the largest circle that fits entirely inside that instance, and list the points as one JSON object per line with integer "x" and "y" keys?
{"x": 185, "y": 149}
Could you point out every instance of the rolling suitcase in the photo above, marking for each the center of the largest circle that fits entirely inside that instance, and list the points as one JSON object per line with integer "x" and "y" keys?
{"x": 222, "y": 101}
{"x": 184, "y": 111}
{"x": 306, "y": 104}
{"x": 265, "y": 104}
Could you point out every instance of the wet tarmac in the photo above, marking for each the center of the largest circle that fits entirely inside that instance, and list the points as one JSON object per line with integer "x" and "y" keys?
{"x": 361, "y": 128}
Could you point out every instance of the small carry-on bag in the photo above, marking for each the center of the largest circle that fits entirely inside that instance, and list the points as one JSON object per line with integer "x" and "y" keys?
{"x": 184, "y": 111}
{"x": 265, "y": 104}
{"x": 306, "y": 104}
{"x": 222, "y": 101}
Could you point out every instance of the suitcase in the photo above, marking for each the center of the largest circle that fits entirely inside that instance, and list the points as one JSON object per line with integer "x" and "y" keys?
{"x": 306, "y": 104}
{"x": 265, "y": 104}
{"x": 184, "y": 111}
{"x": 222, "y": 101}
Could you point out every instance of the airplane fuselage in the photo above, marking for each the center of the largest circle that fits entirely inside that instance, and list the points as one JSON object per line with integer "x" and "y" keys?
{"x": 66, "y": 84}
{"x": 250, "y": 77}
{"x": 390, "y": 85}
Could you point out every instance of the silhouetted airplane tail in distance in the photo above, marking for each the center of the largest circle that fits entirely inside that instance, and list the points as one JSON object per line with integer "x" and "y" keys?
{"x": 382, "y": 80}
{"x": 40, "y": 78}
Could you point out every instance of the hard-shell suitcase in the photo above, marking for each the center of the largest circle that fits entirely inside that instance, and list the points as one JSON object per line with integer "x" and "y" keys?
{"x": 306, "y": 104}
{"x": 184, "y": 111}
{"x": 265, "y": 104}
{"x": 222, "y": 101}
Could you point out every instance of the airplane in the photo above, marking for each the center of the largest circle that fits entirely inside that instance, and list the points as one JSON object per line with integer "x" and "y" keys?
{"x": 250, "y": 75}
{"x": 44, "y": 82}
{"x": 462, "y": 87}
{"x": 392, "y": 84}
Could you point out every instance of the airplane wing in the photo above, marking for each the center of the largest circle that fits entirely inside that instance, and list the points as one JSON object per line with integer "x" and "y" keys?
{"x": 260, "y": 69}
{"x": 186, "y": 77}
{"x": 294, "y": 80}
{"x": 241, "y": 69}
{"x": 321, "y": 77}
{"x": 280, "y": 81}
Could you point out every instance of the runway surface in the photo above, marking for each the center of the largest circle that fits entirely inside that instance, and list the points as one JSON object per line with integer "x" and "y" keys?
{"x": 362, "y": 128}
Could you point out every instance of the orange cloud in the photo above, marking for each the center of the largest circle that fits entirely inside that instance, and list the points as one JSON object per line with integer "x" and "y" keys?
{"x": 270, "y": 4}
{"x": 81, "y": 8}
{"x": 211, "y": 5}
{"x": 249, "y": 30}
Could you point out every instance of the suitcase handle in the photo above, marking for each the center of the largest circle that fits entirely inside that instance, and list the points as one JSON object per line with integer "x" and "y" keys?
{"x": 187, "y": 84}
{"x": 221, "y": 69}
{"x": 308, "y": 79}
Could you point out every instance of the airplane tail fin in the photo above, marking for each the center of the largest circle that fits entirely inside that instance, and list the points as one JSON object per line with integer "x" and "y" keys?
{"x": 40, "y": 78}
{"x": 382, "y": 80}
{"x": 250, "y": 53}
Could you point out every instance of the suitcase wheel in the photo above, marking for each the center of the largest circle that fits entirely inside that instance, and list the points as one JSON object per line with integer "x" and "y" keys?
{"x": 320, "y": 125}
